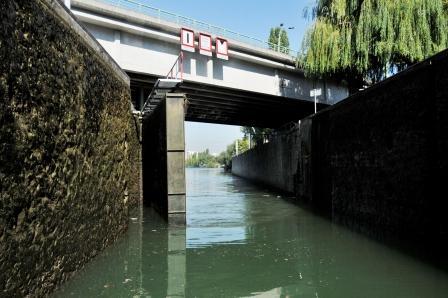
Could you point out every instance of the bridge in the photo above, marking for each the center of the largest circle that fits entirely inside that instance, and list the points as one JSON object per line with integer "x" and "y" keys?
{"x": 256, "y": 86}
{"x": 214, "y": 75}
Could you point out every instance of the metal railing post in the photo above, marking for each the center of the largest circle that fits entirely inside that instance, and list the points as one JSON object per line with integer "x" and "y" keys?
{"x": 181, "y": 65}
{"x": 178, "y": 65}
{"x": 178, "y": 19}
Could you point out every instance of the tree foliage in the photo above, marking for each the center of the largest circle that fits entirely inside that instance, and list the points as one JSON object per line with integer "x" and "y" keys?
{"x": 206, "y": 160}
{"x": 225, "y": 157}
{"x": 258, "y": 135}
{"x": 367, "y": 39}
{"x": 202, "y": 160}
{"x": 284, "y": 40}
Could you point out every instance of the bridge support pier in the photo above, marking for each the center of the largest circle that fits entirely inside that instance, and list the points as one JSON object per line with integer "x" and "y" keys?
{"x": 163, "y": 157}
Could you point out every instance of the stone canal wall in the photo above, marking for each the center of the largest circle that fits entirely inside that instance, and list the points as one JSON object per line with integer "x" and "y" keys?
{"x": 67, "y": 143}
{"x": 376, "y": 160}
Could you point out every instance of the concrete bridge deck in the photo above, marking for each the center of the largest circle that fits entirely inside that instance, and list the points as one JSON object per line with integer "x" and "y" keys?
{"x": 254, "y": 85}
{"x": 212, "y": 104}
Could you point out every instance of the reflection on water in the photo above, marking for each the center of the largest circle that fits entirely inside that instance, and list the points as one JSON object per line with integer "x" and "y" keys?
{"x": 216, "y": 209}
{"x": 243, "y": 241}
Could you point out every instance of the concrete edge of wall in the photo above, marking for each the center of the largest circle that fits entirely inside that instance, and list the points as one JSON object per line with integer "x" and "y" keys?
{"x": 63, "y": 13}
{"x": 374, "y": 88}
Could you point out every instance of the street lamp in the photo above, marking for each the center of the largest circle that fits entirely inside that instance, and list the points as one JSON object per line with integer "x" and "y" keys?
{"x": 280, "y": 35}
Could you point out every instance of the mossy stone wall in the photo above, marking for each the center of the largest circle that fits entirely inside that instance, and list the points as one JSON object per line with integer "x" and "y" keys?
{"x": 67, "y": 143}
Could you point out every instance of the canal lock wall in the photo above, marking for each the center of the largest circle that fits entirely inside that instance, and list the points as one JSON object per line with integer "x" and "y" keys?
{"x": 68, "y": 153}
{"x": 163, "y": 162}
{"x": 376, "y": 161}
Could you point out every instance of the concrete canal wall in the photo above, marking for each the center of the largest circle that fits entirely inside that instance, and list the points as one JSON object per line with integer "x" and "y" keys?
{"x": 273, "y": 163}
{"x": 376, "y": 160}
{"x": 163, "y": 162}
{"x": 67, "y": 145}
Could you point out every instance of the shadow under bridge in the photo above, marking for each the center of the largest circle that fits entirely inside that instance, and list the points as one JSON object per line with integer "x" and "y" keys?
{"x": 164, "y": 104}
{"x": 221, "y": 105}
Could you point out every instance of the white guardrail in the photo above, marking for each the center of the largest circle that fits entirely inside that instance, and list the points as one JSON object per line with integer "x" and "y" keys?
{"x": 198, "y": 25}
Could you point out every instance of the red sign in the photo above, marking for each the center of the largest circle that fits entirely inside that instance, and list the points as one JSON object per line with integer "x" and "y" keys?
{"x": 205, "y": 44}
{"x": 187, "y": 39}
{"x": 222, "y": 48}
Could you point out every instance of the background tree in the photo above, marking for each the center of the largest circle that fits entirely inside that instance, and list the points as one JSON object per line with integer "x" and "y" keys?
{"x": 284, "y": 41}
{"x": 258, "y": 135}
{"x": 243, "y": 145}
{"x": 202, "y": 160}
{"x": 363, "y": 41}
{"x": 225, "y": 157}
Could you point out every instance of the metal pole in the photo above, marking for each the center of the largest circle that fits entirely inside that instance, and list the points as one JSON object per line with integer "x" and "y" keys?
{"x": 315, "y": 100}
{"x": 279, "y": 35}
{"x": 181, "y": 65}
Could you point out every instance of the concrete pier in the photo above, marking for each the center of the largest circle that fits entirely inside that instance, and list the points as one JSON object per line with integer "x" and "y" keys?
{"x": 163, "y": 153}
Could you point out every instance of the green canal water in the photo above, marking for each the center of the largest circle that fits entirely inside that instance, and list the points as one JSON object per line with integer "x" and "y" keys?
{"x": 244, "y": 241}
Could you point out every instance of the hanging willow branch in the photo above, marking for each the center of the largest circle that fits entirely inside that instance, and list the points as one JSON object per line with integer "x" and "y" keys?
{"x": 368, "y": 38}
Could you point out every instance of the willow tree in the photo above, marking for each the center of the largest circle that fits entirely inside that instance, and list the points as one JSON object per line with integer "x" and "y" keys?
{"x": 363, "y": 41}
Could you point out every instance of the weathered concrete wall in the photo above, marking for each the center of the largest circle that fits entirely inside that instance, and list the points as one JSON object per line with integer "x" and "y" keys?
{"x": 277, "y": 158}
{"x": 380, "y": 156}
{"x": 284, "y": 163}
{"x": 375, "y": 160}
{"x": 163, "y": 154}
{"x": 66, "y": 146}
{"x": 154, "y": 160}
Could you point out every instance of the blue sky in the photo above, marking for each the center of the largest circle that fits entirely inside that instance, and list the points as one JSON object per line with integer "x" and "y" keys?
{"x": 250, "y": 17}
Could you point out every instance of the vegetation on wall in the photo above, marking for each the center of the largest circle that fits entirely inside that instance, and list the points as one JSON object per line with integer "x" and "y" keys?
{"x": 66, "y": 147}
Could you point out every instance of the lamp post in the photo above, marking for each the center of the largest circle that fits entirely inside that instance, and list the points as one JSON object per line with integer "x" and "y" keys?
{"x": 280, "y": 35}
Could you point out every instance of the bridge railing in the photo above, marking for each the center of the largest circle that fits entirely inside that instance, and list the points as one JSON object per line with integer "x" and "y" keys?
{"x": 177, "y": 71}
{"x": 163, "y": 15}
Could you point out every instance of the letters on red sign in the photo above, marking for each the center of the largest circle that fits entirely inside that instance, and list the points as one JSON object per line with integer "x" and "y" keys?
{"x": 222, "y": 48}
{"x": 187, "y": 39}
{"x": 205, "y": 44}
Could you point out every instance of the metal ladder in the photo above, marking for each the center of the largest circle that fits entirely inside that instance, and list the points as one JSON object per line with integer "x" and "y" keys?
{"x": 163, "y": 86}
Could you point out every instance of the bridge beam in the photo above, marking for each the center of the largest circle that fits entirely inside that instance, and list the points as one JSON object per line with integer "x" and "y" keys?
{"x": 163, "y": 157}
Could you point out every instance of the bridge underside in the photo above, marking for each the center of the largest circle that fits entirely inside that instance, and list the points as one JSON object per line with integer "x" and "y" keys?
{"x": 213, "y": 104}
{"x": 163, "y": 131}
